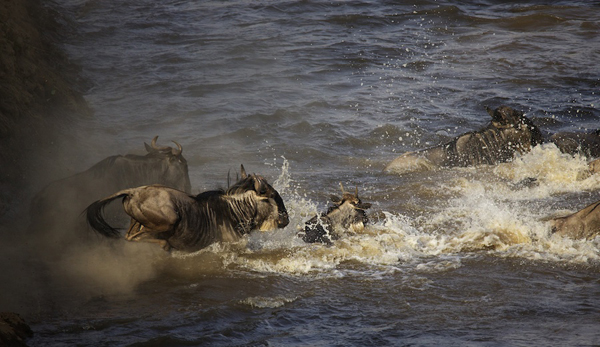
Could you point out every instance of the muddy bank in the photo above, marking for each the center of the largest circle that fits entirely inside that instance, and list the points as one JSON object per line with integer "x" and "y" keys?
{"x": 39, "y": 93}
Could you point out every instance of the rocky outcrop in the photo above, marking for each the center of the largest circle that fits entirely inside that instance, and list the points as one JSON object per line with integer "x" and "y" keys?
{"x": 13, "y": 330}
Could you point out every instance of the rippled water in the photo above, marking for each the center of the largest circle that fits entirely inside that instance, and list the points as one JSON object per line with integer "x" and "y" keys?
{"x": 310, "y": 94}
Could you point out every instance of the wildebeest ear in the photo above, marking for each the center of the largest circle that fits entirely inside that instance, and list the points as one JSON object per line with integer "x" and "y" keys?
{"x": 148, "y": 148}
{"x": 335, "y": 199}
{"x": 243, "y": 172}
{"x": 363, "y": 205}
{"x": 490, "y": 111}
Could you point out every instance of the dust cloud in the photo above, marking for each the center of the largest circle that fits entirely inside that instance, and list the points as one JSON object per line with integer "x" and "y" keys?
{"x": 52, "y": 271}
{"x": 46, "y": 133}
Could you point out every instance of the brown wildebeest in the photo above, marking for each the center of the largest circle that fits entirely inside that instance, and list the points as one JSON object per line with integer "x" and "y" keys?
{"x": 176, "y": 220}
{"x": 586, "y": 144}
{"x": 346, "y": 213}
{"x": 56, "y": 209}
{"x": 508, "y": 133}
{"x": 594, "y": 166}
{"x": 583, "y": 224}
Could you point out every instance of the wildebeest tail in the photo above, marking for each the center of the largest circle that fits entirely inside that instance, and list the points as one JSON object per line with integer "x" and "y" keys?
{"x": 96, "y": 220}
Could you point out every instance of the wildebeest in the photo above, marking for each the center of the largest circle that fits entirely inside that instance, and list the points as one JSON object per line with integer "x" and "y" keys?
{"x": 57, "y": 208}
{"x": 594, "y": 166}
{"x": 583, "y": 224}
{"x": 508, "y": 133}
{"x": 346, "y": 213}
{"x": 586, "y": 144}
{"x": 179, "y": 221}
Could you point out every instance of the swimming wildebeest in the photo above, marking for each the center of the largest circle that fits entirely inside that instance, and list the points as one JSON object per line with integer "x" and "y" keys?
{"x": 508, "y": 133}
{"x": 346, "y": 213}
{"x": 583, "y": 224}
{"x": 57, "y": 208}
{"x": 176, "y": 220}
{"x": 586, "y": 144}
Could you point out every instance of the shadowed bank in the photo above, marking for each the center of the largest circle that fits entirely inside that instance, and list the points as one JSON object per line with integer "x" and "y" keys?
{"x": 40, "y": 100}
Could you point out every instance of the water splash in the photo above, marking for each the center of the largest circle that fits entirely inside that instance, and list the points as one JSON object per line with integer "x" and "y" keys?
{"x": 486, "y": 215}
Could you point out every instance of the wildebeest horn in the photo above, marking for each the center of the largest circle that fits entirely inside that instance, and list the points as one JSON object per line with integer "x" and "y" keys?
{"x": 342, "y": 187}
{"x": 154, "y": 146}
{"x": 243, "y": 172}
{"x": 356, "y": 193}
{"x": 178, "y": 151}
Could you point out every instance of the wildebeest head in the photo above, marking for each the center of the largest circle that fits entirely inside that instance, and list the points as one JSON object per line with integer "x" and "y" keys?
{"x": 271, "y": 211}
{"x": 348, "y": 210}
{"x": 346, "y": 213}
{"x": 176, "y": 170}
{"x": 506, "y": 117}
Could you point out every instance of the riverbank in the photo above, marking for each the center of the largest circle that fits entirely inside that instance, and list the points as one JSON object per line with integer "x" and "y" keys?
{"x": 39, "y": 92}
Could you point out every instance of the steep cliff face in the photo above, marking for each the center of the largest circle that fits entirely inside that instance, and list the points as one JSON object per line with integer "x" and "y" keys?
{"x": 38, "y": 92}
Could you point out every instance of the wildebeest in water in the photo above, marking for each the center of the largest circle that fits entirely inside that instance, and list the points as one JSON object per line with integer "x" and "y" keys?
{"x": 346, "y": 213}
{"x": 583, "y": 143}
{"x": 508, "y": 133}
{"x": 583, "y": 224}
{"x": 179, "y": 221}
{"x": 57, "y": 208}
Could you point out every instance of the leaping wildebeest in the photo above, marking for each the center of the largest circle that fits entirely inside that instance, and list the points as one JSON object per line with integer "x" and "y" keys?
{"x": 508, "y": 133}
{"x": 176, "y": 220}
{"x": 57, "y": 208}
{"x": 346, "y": 213}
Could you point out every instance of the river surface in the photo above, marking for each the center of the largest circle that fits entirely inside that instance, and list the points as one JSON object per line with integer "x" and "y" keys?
{"x": 310, "y": 94}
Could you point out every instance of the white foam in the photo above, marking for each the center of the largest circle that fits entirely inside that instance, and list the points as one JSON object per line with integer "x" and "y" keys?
{"x": 486, "y": 214}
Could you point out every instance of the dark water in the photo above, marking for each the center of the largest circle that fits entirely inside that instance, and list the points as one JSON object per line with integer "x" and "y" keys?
{"x": 310, "y": 94}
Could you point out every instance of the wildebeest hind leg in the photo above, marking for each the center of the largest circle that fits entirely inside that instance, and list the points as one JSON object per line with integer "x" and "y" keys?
{"x": 135, "y": 229}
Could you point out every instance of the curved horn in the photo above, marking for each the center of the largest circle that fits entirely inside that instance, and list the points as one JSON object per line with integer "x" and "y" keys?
{"x": 342, "y": 187}
{"x": 178, "y": 151}
{"x": 154, "y": 146}
{"x": 243, "y": 172}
